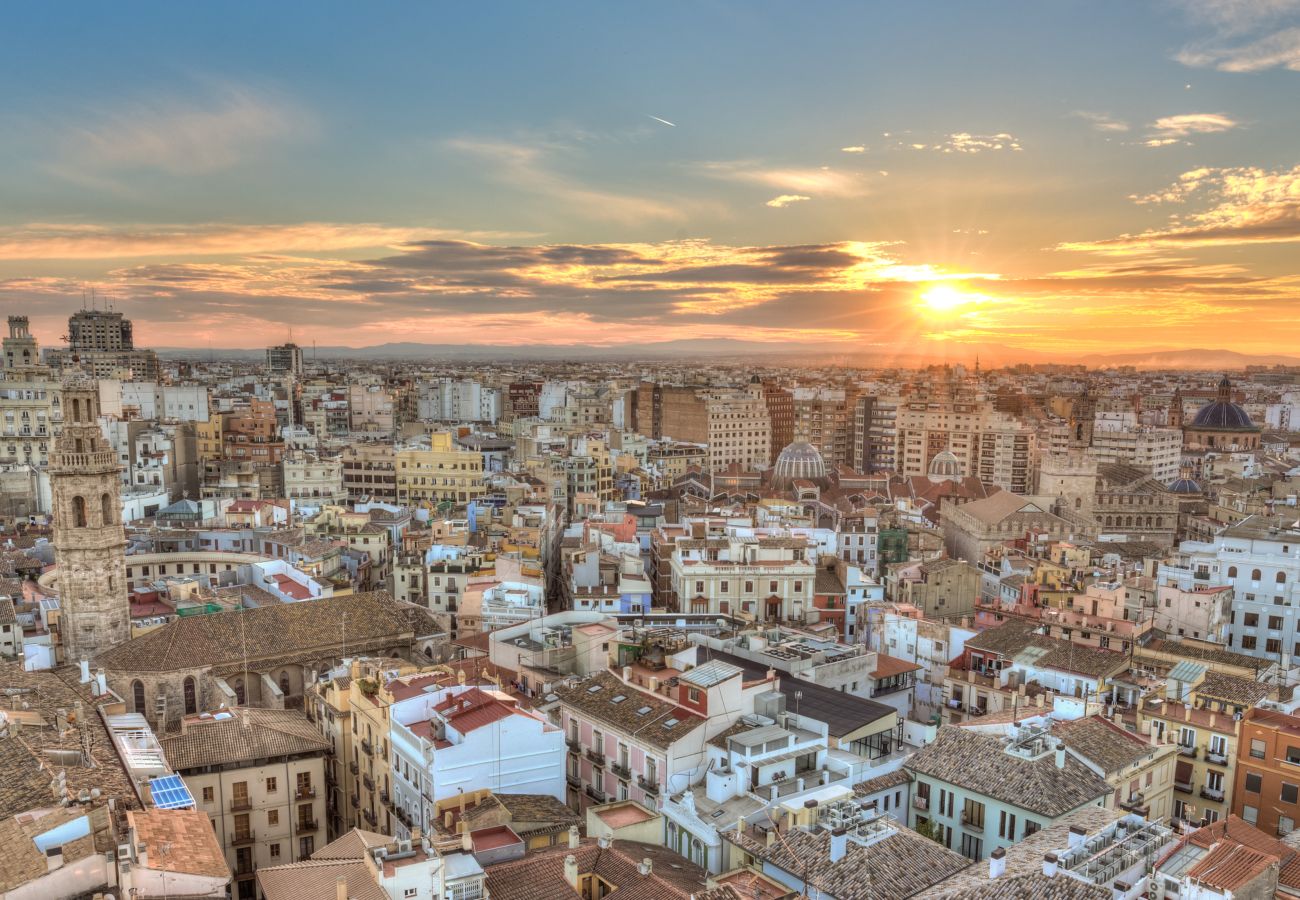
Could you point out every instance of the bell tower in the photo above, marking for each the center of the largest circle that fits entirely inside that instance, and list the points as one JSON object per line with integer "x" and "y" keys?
{"x": 89, "y": 540}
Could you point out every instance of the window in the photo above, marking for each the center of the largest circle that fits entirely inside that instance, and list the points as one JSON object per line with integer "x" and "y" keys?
{"x": 1290, "y": 793}
{"x": 1285, "y": 825}
{"x": 1253, "y": 782}
{"x": 1248, "y": 642}
{"x": 306, "y": 846}
{"x": 137, "y": 695}
{"x": 971, "y": 846}
{"x": 1250, "y": 814}
{"x": 973, "y": 814}
{"x": 191, "y": 696}
{"x": 272, "y": 817}
{"x": 272, "y": 785}
{"x": 79, "y": 511}
{"x": 208, "y": 795}
{"x": 693, "y": 695}
{"x": 275, "y": 851}
{"x": 1293, "y": 755}
{"x": 1275, "y": 622}
{"x": 1257, "y": 748}
{"x": 1007, "y": 825}
{"x": 1252, "y": 620}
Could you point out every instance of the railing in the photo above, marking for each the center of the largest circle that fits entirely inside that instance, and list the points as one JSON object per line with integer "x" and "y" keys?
{"x": 597, "y": 758}
{"x": 239, "y": 804}
{"x": 595, "y": 793}
{"x": 921, "y": 802}
{"x": 621, "y": 770}
{"x": 649, "y": 787}
{"x": 369, "y": 816}
{"x": 356, "y": 769}
{"x": 305, "y": 793}
{"x": 968, "y": 821}
{"x": 1210, "y": 793}
{"x": 573, "y": 745}
{"x": 1183, "y": 786}
{"x": 383, "y": 796}
{"x": 891, "y": 689}
{"x": 368, "y": 782}
{"x": 356, "y": 801}
{"x": 1187, "y": 750}
{"x": 573, "y": 780}
{"x": 243, "y": 837}
{"x": 367, "y": 748}
{"x": 307, "y": 825}
{"x": 1218, "y": 759}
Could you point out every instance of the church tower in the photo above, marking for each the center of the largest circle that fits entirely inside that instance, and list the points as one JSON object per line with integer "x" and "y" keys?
{"x": 89, "y": 540}
{"x": 1082, "y": 416}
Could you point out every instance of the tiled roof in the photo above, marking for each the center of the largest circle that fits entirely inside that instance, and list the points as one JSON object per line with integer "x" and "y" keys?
{"x": 352, "y": 845}
{"x": 540, "y": 876}
{"x": 1233, "y": 688}
{"x": 21, "y": 861}
{"x": 1036, "y": 885}
{"x": 250, "y": 734}
{"x": 650, "y": 726}
{"x": 277, "y": 631}
{"x": 1205, "y": 654}
{"x": 979, "y": 763}
{"x": 1102, "y": 742}
{"x": 24, "y": 766}
{"x": 881, "y": 782}
{"x": 194, "y": 848}
{"x": 895, "y": 867}
{"x": 317, "y": 880}
{"x": 1012, "y": 638}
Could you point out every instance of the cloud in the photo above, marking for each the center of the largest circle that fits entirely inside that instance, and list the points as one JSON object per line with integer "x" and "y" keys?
{"x": 531, "y": 168}
{"x": 1101, "y": 121}
{"x": 784, "y": 200}
{"x": 38, "y": 240}
{"x": 1193, "y": 123}
{"x": 1280, "y": 49}
{"x": 182, "y": 136}
{"x": 1248, "y": 35}
{"x": 965, "y": 142}
{"x": 855, "y": 149}
{"x": 1245, "y": 205}
{"x": 814, "y": 182}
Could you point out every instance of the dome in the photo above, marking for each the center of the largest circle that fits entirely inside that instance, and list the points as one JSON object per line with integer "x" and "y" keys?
{"x": 945, "y": 467}
{"x": 1222, "y": 413}
{"x": 1185, "y": 486}
{"x": 800, "y": 460}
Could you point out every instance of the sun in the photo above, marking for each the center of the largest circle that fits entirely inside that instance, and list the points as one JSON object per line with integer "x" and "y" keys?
{"x": 944, "y": 298}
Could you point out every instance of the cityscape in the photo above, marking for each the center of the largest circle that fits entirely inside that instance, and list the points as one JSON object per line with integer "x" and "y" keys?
{"x": 734, "y": 451}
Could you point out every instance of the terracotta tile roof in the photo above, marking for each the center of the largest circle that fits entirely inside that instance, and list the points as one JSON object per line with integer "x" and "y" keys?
{"x": 277, "y": 631}
{"x": 317, "y": 880}
{"x": 897, "y": 866}
{"x": 352, "y": 845}
{"x": 881, "y": 782}
{"x": 1011, "y": 638}
{"x": 24, "y": 772}
{"x": 1230, "y": 867}
{"x": 1233, "y": 688}
{"x": 1035, "y": 885}
{"x": 540, "y": 876}
{"x": 22, "y": 862}
{"x": 248, "y": 735}
{"x": 194, "y": 846}
{"x": 887, "y": 666}
{"x": 979, "y": 763}
{"x": 1102, "y": 742}
{"x": 652, "y": 726}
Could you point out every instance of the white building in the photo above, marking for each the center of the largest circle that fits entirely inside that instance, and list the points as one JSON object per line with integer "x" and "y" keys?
{"x": 450, "y": 400}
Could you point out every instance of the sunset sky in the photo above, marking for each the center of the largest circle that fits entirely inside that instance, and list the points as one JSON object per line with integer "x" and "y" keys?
{"x": 1065, "y": 177}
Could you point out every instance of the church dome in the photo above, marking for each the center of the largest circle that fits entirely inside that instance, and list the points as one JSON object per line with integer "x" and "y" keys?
{"x": 1185, "y": 486}
{"x": 945, "y": 467}
{"x": 1222, "y": 413}
{"x": 798, "y": 461}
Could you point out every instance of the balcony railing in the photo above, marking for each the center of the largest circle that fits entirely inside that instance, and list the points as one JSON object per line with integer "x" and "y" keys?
{"x": 369, "y": 816}
{"x": 621, "y": 770}
{"x": 969, "y": 821}
{"x": 1183, "y": 786}
{"x": 573, "y": 745}
{"x": 596, "y": 758}
{"x": 367, "y": 748}
{"x": 356, "y": 770}
{"x": 921, "y": 802}
{"x": 1188, "y": 750}
{"x": 1210, "y": 793}
{"x": 595, "y": 793}
{"x": 383, "y": 796}
{"x": 239, "y": 804}
{"x": 305, "y": 793}
{"x": 1215, "y": 758}
{"x": 573, "y": 780}
{"x": 356, "y": 801}
{"x": 368, "y": 782}
{"x": 649, "y": 787}
{"x": 243, "y": 837}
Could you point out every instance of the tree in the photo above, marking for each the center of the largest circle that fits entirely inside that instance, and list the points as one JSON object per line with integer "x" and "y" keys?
{"x": 930, "y": 829}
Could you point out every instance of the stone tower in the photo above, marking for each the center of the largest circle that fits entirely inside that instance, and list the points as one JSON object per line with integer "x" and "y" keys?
{"x": 89, "y": 540}
{"x": 1082, "y": 417}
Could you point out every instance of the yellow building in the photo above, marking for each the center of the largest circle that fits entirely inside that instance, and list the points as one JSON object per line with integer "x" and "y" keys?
{"x": 437, "y": 472}
{"x": 208, "y": 437}
{"x": 329, "y": 707}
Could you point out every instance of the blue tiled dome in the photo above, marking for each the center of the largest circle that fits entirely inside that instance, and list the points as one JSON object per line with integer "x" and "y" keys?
{"x": 1222, "y": 413}
{"x": 1185, "y": 486}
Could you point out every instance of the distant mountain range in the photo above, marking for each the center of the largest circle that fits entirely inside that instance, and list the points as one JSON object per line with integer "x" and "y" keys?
{"x": 806, "y": 353}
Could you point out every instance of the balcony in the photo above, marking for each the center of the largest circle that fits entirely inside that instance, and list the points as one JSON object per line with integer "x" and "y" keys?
{"x": 968, "y": 822}
{"x": 369, "y": 816}
{"x": 356, "y": 770}
{"x": 648, "y": 787}
{"x": 367, "y": 748}
{"x": 307, "y": 825}
{"x": 573, "y": 745}
{"x": 596, "y": 758}
{"x": 621, "y": 770}
{"x": 383, "y": 797}
{"x": 1215, "y": 794}
{"x": 368, "y": 782}
{"x": 240, "y": 804}
{"x": 573, "y": 780}
{"x": 595, "y": 793}
{"x": 1188, "y": 750}
{"x": 1184, "y": 787}
{"x": 1215, "y": 758}
{"x": 920, "y": 802}
{"x": 1136, "y": 803}
{"x": 243, "y": 838}
{"x": 356, "y": 802}
{"x": 306, "y": 792}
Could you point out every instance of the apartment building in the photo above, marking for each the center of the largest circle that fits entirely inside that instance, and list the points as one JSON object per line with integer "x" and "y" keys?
{"x": 30, "y": 415}
{"x": 313, "y": 482}
{"x": 434, "y": 470}
{"x": 739, "y": 430}
{"x": 992, "y": 446}
{"x": 370, "y": 472}
{"x": 827, "y": 419}
{"x": 767, "y": 578}
{"x": 328, "y": 706}
{"x": 259, "y": 774}
{"x": 1266, "y": 788}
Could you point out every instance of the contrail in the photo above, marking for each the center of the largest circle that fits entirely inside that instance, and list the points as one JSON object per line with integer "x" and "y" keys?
{"x": 664, "y": 121}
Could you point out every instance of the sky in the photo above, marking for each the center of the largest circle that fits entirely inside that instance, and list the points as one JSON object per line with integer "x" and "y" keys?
{"x": 1061, "y": 178}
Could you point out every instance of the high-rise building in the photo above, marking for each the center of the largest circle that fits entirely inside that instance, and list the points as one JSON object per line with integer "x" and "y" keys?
{"x": 780, "y": 411}
{"x": 733, "y": 422}
{"x": 30, "y": 415}
{"x": 989, "y": 445}
{"x": 89, "y": 540}
{"x": 101, "y": 344}
{"x": 285, "y": 359}
{"x": 826, "y": 418}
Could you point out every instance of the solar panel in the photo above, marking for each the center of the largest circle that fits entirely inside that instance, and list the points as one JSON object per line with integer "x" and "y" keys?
{"x": 170, "y": 792}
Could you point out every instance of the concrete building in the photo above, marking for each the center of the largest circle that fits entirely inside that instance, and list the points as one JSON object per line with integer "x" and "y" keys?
{"x": 284, "y": 359}
{"x": 101, "y": 344}
{"x": 435, "y": 471}
{"x": 31, "y": 415}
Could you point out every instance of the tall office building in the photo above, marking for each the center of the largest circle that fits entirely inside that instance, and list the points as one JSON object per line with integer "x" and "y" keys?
{"x": 285, "y": 359}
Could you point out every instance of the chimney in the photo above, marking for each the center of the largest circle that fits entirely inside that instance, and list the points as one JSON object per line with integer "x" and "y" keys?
{"x": 571, "y": 870}
{"x": 1049, "y": 865}
{"x": 627, "y": 673}
{"x": 645, "y": 867}
{"x": 85, "y": 671}
{"x": 1060, "y": 757}
{"x": 998, "y": 863}
{"x": 573, "y": 837}
{"x": 1077, "y": 836}
{"x": 839, "y": 844}
{"x": 1119, "y": 890}
{"x": 101, "y": 685}
{"x": 54, "y": 858}
{"x": 340, "y": 888}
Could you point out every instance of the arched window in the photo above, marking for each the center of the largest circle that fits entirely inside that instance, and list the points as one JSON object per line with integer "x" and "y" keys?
{"x": 238, "y": 686}
{"x": 428, "y": 651}
{"x": 1254, "y": 575}
{"x": 284, "y": 682}
{"x": 137, "y": 695}
{"x": 76, "y": 410}
{"x": 1232, "y": 571}
{"x": 1078, "y": 502}
{"x": 106, "y": 515}
{"x": 191, "y": 696}
{"x": 1281, "y": 578}
{"x": 79, "y": 511}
